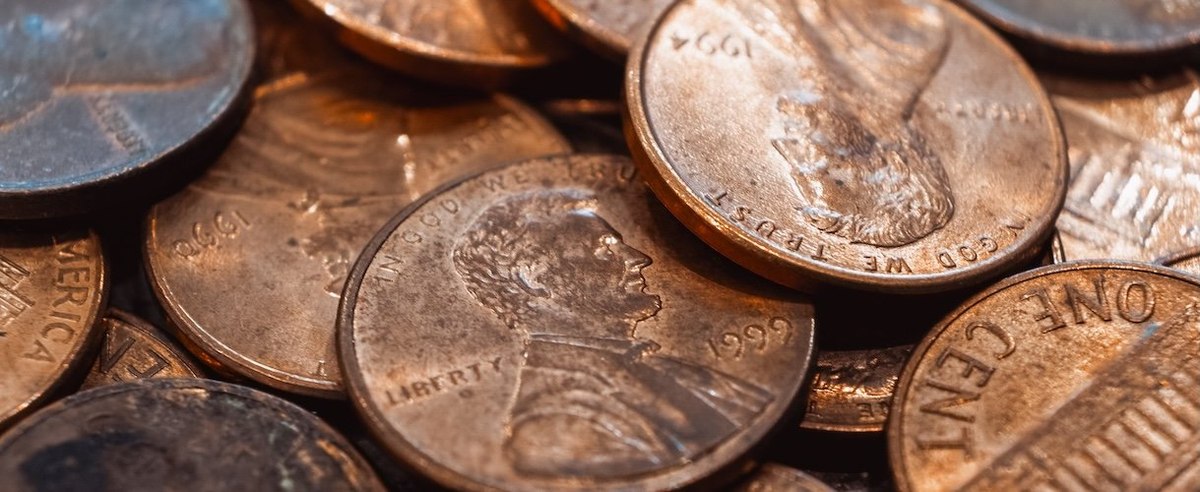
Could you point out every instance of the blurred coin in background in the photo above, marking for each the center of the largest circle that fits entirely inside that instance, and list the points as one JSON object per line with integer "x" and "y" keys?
{"x": 610, "y": 27}
{"x": 851, "y": 390}
{"x": 778, "y": 478}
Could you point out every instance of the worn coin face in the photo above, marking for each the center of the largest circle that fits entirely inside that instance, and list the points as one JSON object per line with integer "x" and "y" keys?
{"x": 52, "y": 287}
{"x": 851, "y": 391}
{"x": 897, "y": 146}
{"x": 96, "y": 92}
{"x": 609, "y": 26}
{"x": 562, "y": 332}
{"x": 778, "y": 478}
{"x": 131, "y": 349}
{"x": 1099, "y": 27}
{"x": 1081, "y": 376}
{"x": 179, "y": 434}
{"x": 1135, "y": 164}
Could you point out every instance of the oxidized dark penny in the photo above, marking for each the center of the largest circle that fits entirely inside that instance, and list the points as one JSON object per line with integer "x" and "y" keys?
{"x": 561, "y": 331}
{"x": 131, "y": 349}
{"x": 52, "y": 287}
{"x": 179, "y": 434}
{"x": 851, "y": 391}
{"x": 898, "y": 146}
{"x": 250, "y": 260}
{"x": 1135, "y": 166}
{"x": 778, "y": 478}
{"x": 608, "y": 26}
{"x": 1083, "y": 376}
{"x": 96, "y": 92}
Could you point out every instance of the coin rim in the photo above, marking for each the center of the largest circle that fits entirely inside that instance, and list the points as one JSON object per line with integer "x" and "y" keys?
{"x": 148, "y": 330}
{"x": 584, "y": 29}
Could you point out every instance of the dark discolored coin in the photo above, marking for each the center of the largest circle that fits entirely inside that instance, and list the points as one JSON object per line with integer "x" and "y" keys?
{"x": 1135, "y": 164}
{"x": 563, "y": 332}
{"x": 778, "y": 478}
{"x": 851, "y": 391}
{"x": 179, "y": 434}
{"x": 98, "y": 92}
{"x": 52, "y": 288}
{"x": 131, "y": 349}
{"x": 609, "y": 26}
{"x": 896, "y": 146}
{"x": 1082, "y": 376}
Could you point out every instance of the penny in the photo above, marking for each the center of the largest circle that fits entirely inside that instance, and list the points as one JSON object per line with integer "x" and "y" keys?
{"x": 607, "y": 26}
{"x": 98, "y": 93}
{"x": 897, "y": 146}
{"x": 562, "y": 332}
{"x": 52, "y": 287}
{"x": 131, "y": 349}
{"x": 1082, "y": 376}
{"x": 778, "y": 478}
{"x": 461, "y": 42}
{"x": 1187, "y": 261}
{"x": 179, "y": 434}
{"x": 1134, "y": 147}
{"x": 249, "y": 261}
{"x": 851, "y": 391}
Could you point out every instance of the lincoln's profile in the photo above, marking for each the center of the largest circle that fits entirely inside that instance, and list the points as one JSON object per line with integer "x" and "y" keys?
{"x": 591, "y": 399}
{"x": 862, "y": 170}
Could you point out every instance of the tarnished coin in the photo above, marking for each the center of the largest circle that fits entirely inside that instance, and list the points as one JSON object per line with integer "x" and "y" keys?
{"x": 894, "y": 145}
{"x": 94, "y": 93}
{"x": 462, "y": 42}
{"x": 131, "y": 349}
{"x": 560, "y": 331}
{"x": 851, "y": 391}
{"x": 250, "y": 260}
{"x": 1135, "y": 166}
{"x": 778, "y": 478}
{"x": 607, "y": 26}
{"x": 179, "y": 434}
{"x": 52, "y": 288}
{"x": 1098, "y": 27}
{"x": 1082, "y": 376}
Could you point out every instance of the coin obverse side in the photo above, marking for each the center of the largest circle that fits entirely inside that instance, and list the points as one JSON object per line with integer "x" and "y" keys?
{"x": 778, "y": 478}
{"x": 52, "y": 288}
{"x": 851, "y": 391}
{"x": 132, "y": 349}
{"x": 563, "y": 332}
{"x": 96, "y": 92}
{"x": 1082, "y": 376}
{"x": 609, "y": 26}
{"x": 179, "y": 434}
{"x": 896, "y": 146}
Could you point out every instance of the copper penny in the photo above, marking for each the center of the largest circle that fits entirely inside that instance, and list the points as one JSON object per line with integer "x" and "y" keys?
{"x": 52, "y": 288}
{"x": 1134, "y": 147}
{"x": 1187, "y": 261}
{"x": 851, "y": 391}
{"x": 131, "y": 349}
{"x": 607, "y": 26}
{"x": 250, "y": 260}
{"x": 99, "y": 92}
{"x": 179, "y": 434}
{"x": 897, "y": 146}
{"x": 1082, "y": 376}
{"x": 778, "y": 478}
{"x": 562, "y": 332}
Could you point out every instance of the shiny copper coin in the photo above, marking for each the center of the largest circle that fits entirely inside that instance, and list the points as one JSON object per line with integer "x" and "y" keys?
{"x": 608, "y": 26}
{"x": 851, "y": 391}
{"x": 1135, "y": 166}
{"x": 561, "y": 332}
{"x": 1083, "y": 376}
{"x": 52, "y": 287}
{"x": 778, "y": 478}
{"x": 897, "y": 146}
{"x": 131, "y": 349}
{"x": 179, "y": 434}
{"x": 94, "y": 93}
{"x": 463, "y": 42}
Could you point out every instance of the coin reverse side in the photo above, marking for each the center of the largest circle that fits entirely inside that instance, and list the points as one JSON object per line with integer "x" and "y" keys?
{"x": 851, "y": 391}
{"x": 897, "y": 146}
{"x": 609, "y": 26}
{"x": 132, "y": 349}
{"x": 562, "y": 332}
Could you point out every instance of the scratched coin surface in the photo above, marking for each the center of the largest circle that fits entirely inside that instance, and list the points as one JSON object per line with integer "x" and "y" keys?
{"x": 562, "y": 332}
{"x": 131, "y": 349}
{"x": 1134, "y": 148}
{"x": 52, "y": 288}
{"x": 1100, "y": 27}
{"x": 893, "y": 145}
{"x": 179, "y": 434}
{"x": 250, "y": 260}
{"x": 851, "y": 390}
{"x": 778, "y": 478}
{"x": 1082, "y": 376}
{"x": 96, "y": 92}
{"x": 608, "y": 26}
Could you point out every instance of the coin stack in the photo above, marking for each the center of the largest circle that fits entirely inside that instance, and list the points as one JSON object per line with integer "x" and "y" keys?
{"x": 634, "y": 245}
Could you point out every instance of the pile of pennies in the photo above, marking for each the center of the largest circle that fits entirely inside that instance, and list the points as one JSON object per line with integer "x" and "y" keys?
{"x": 634, "y": 245}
